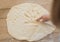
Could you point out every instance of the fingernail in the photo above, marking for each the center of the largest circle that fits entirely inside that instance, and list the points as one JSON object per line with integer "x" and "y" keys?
{"x": 41, "y": 20}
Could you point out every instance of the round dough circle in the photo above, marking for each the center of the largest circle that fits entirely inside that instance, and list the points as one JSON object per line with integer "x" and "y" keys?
{"x": 22, "y": 25}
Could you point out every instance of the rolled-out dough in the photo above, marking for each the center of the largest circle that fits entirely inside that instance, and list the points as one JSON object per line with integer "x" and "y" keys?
{"x": 22, "y": 24}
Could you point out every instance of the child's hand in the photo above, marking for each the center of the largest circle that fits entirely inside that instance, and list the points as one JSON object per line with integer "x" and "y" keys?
{"x": 44, "y": 18}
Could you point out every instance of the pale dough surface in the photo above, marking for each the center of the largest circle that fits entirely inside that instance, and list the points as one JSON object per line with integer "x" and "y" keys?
{"x": 22, "y": 25}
